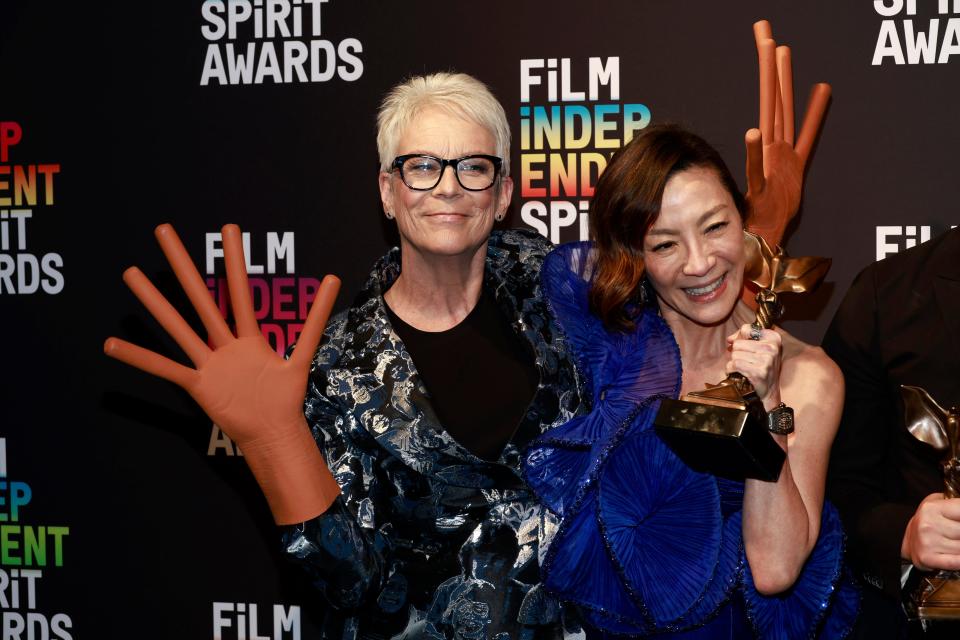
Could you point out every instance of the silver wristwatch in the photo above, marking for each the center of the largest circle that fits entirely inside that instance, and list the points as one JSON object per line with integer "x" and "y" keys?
{"x": 780, "y": 420}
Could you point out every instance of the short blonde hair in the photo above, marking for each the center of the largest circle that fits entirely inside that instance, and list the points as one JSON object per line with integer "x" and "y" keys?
{"x": 458, "y": 93}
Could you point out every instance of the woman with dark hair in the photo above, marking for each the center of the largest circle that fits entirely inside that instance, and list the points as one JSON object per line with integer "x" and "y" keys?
{"x": 652, "y": 309}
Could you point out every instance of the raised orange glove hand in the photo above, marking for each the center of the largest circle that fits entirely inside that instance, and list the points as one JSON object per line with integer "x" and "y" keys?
{"x": 252, "y": 393}
{"x": 775, "y": 161}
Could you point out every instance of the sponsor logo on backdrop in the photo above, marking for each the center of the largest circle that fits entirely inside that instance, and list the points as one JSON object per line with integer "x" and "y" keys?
{"x": 893, "y": 239}
{"x": 274, "y": 41}
{"x": 917, "y": 32}
{"x": 571, "y": 121}
{"x": 248, "y": 621}
{"x": 24, "y": 188}
{"x": 28, "y": 553}
{"x": 281, "y": 299}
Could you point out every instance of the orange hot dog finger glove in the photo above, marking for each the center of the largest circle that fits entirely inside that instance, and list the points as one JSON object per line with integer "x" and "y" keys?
{"x": 242, "y": 384}
{"x": 776, "y": 159}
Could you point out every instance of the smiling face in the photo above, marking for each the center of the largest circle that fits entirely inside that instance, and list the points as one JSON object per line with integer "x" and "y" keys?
{"x": 447, "y": 220}
{"x": 693, "y": 252}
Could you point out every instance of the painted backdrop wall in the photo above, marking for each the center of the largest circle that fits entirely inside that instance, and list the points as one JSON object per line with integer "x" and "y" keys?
{"x": 123, "y": 511}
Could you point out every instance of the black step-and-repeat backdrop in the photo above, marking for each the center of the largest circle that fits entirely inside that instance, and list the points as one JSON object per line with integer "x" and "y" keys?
{"x": 123, "y": 511}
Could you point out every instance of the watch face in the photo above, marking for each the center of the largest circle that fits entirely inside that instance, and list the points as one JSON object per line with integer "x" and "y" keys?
{"x": 781, "y": 420}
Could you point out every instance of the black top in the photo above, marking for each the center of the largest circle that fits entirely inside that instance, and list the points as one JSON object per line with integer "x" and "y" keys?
{"x": 898, "y": 324}
{"x": 424, "y": 530}
{"x": 480, "y": 374}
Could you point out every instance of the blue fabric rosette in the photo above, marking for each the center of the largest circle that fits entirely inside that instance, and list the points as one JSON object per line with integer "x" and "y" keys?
{"x": 646, "y": 545}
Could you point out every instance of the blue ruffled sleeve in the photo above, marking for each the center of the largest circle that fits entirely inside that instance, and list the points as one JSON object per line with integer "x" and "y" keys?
{"x": 621, "y": 372}
{"x": 822, "y": 603}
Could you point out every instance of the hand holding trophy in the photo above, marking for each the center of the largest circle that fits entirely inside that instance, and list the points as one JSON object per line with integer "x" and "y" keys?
{"x": 937, "y": 596}
{"x": 242, "y": 384}
{"x": 724, "y": 429}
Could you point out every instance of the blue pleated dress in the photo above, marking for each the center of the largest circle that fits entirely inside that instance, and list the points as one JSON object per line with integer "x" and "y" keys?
{"x": 647, "y": 546}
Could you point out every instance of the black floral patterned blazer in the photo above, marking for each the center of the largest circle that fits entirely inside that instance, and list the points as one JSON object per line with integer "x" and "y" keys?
{"x": 429, "y": 540}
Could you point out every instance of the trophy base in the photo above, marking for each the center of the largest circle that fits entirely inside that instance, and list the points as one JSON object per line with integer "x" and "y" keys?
{"x": 721, "y": 438}
{"x": 938, "y": 596}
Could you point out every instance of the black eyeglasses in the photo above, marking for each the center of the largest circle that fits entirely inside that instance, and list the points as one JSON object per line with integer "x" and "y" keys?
{"x": 423, "y": 173}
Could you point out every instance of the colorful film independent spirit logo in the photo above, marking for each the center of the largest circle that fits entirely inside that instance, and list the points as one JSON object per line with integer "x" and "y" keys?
{"x": 28, "y": 551}
{"x": 23, "y": 188}
{"x": 567, "y": 133}
{"x": 273, "y": 41}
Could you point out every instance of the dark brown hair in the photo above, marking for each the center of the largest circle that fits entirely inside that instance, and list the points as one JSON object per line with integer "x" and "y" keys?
{"x": 626, "y": 203}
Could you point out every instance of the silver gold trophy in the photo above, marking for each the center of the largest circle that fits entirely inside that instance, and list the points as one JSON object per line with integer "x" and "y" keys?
{"x": 724, "y": 429}
{"x": 937, "y": 596}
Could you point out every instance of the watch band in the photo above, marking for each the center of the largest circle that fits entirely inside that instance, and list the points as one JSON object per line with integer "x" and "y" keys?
{"x": 780, "y": 420}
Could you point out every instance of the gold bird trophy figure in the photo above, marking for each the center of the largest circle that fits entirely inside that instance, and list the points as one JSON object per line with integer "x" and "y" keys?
{"x": 937, "y": 595}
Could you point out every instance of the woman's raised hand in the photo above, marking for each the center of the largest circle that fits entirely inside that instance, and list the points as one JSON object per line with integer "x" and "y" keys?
{"x": 776, "y": 159}
{"x": 245, "y": 387}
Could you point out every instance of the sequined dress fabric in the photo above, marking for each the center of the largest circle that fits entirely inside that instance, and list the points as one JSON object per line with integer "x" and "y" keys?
{"x": 646, "y": 546}
{"x": 428, "y": 540}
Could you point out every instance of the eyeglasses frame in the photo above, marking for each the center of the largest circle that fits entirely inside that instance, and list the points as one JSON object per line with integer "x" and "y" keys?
{"x": 397, "y": 165}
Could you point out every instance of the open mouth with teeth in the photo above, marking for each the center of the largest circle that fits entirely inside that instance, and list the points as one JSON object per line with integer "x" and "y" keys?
{"x": 707, "y": 289}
